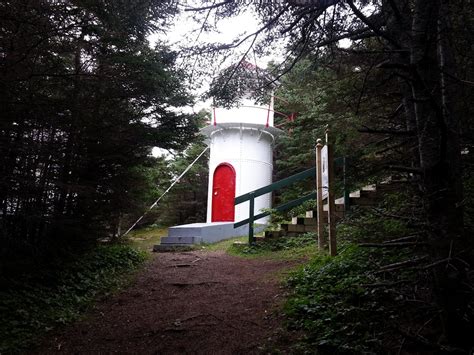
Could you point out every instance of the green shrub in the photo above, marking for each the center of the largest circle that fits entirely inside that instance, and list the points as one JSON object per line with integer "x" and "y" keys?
{"x": 34, "y": 303}
{"x": 331, "y": 302}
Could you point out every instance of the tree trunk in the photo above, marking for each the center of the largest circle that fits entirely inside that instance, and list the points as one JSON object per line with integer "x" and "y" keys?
{"x": 439, "y": 154}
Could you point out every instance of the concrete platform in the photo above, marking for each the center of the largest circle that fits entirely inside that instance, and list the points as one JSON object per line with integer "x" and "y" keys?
{"x": 197, "y": 233}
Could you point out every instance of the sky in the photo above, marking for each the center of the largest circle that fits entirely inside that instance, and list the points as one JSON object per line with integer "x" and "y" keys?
{"x": 185, "y": 30}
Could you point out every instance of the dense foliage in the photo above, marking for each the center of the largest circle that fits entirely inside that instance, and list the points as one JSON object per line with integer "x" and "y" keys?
{"x": 375, "y": 295}
{"x": 83, "y": 100}
{"x": 338, "y": 303}
{"x": 40, "y": 299}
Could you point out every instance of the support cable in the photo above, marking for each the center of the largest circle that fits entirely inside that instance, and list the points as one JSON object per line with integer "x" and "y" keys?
{"x": 164, "y": 193}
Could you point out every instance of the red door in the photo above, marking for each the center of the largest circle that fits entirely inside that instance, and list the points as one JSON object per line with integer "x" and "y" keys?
{"x": 223, "y": 193}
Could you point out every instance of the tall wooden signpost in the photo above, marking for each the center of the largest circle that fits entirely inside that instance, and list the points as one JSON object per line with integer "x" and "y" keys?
{"x": 319, "y": 196}
{"x": 325, "y": 190}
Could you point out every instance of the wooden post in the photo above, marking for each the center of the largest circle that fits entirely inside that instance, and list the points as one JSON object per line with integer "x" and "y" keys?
{"x": 251, "y": 218}
{"x": 347, "y": 199}
{"x": 331, "y": 202}
{"x": 319, "y": 196}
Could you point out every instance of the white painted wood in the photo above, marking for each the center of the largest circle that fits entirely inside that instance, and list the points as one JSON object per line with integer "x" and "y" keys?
{"x": 325, "y": 168}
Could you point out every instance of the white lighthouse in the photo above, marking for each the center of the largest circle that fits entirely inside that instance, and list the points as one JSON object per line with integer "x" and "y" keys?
{"x": 241, "y": 159}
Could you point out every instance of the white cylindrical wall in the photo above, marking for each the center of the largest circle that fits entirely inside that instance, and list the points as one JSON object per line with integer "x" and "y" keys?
{"x": 249, "y": 151}
{"x": 246, "y": 112}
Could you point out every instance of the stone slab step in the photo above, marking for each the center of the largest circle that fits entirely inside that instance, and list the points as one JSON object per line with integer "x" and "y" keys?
{"x": 197, "y": 233}
{"x": 181, "y": 240}
{"x": 209, "y": 232}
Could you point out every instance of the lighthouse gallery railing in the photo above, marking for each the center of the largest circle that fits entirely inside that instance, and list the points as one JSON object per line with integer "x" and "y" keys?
{"x": 250, "y": 196}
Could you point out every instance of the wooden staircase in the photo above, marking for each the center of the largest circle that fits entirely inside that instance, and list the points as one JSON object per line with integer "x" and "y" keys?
{"x": 366, "y": 197}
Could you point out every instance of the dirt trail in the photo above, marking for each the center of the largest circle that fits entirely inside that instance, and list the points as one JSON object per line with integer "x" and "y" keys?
{"x": 185, "y": 303}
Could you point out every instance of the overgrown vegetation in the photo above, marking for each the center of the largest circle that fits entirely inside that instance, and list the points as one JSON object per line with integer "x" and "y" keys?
{"x": 343, "y": 306}
{"x": 43, "y": 298}
{"x": 278, "y": 248}
{"x": 376, "y": 295}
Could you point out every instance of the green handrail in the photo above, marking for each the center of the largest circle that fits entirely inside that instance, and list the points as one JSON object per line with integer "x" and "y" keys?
{"x": 250, "y": 196}
{"x": 311, "y": 172}
{"x": 280, "y": 208}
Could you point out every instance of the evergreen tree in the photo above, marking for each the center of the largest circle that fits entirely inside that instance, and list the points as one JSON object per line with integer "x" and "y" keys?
{"x": 83, "y": 101}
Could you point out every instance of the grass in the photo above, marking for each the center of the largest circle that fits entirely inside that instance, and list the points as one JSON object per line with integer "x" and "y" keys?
{"x": 33, "y": 303}
{"x": 301, "y": 247}
{"x": 223, "y": 245}
{"x": 281, "y": 248}
{"x": 144, "y": 239}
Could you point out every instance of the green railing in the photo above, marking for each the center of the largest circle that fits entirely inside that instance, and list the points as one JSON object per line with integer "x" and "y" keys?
{"x": 250, "y": 196}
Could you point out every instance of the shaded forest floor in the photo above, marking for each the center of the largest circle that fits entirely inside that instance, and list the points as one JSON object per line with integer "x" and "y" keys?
{"x": 196, "y": 302}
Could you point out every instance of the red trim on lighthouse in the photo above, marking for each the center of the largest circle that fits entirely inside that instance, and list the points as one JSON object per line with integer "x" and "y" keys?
{"x": 268, "y": 114}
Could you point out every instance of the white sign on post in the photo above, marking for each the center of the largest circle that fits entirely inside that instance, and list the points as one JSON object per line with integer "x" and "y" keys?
{"x": 324, "y": 170}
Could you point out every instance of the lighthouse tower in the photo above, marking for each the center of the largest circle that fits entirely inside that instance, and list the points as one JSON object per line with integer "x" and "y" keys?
{"x": 241, "y": 141}
{"x": 241, "y": 159}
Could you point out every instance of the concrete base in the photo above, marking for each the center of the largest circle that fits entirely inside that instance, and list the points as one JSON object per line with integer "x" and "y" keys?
{"x": 197, "y": 233}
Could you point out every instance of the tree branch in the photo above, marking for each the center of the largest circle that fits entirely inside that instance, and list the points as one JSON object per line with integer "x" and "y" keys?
{"x": 396, "y": 11}
{"x": 402, "y": 264}
{"x": 371, "y": 25}
{"x": 386, "y": 131}
{"x": 210, "y": 7}
{"x": 405, "y": 169}
{"x": 391, "y": 245}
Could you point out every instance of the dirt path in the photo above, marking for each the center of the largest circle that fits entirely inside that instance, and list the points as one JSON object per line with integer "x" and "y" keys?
{"x": 185, "y": 303}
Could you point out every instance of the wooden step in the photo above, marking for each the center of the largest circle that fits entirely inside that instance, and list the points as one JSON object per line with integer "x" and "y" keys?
{"x": 313, "y": 214}
{"x": 311, "y": 228}
{"x": 338, "y": 207}
{"x": 274, "y": 234}
{"x": 309, "y": 221}
{"x": 368, "y": 194}
{"x": 363, "y": 201}
{"x": 391, "y": 187}
{"x": 313, "y": 220}
{"x": 304, "y": 220}
{"x": 297, "y": 228}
